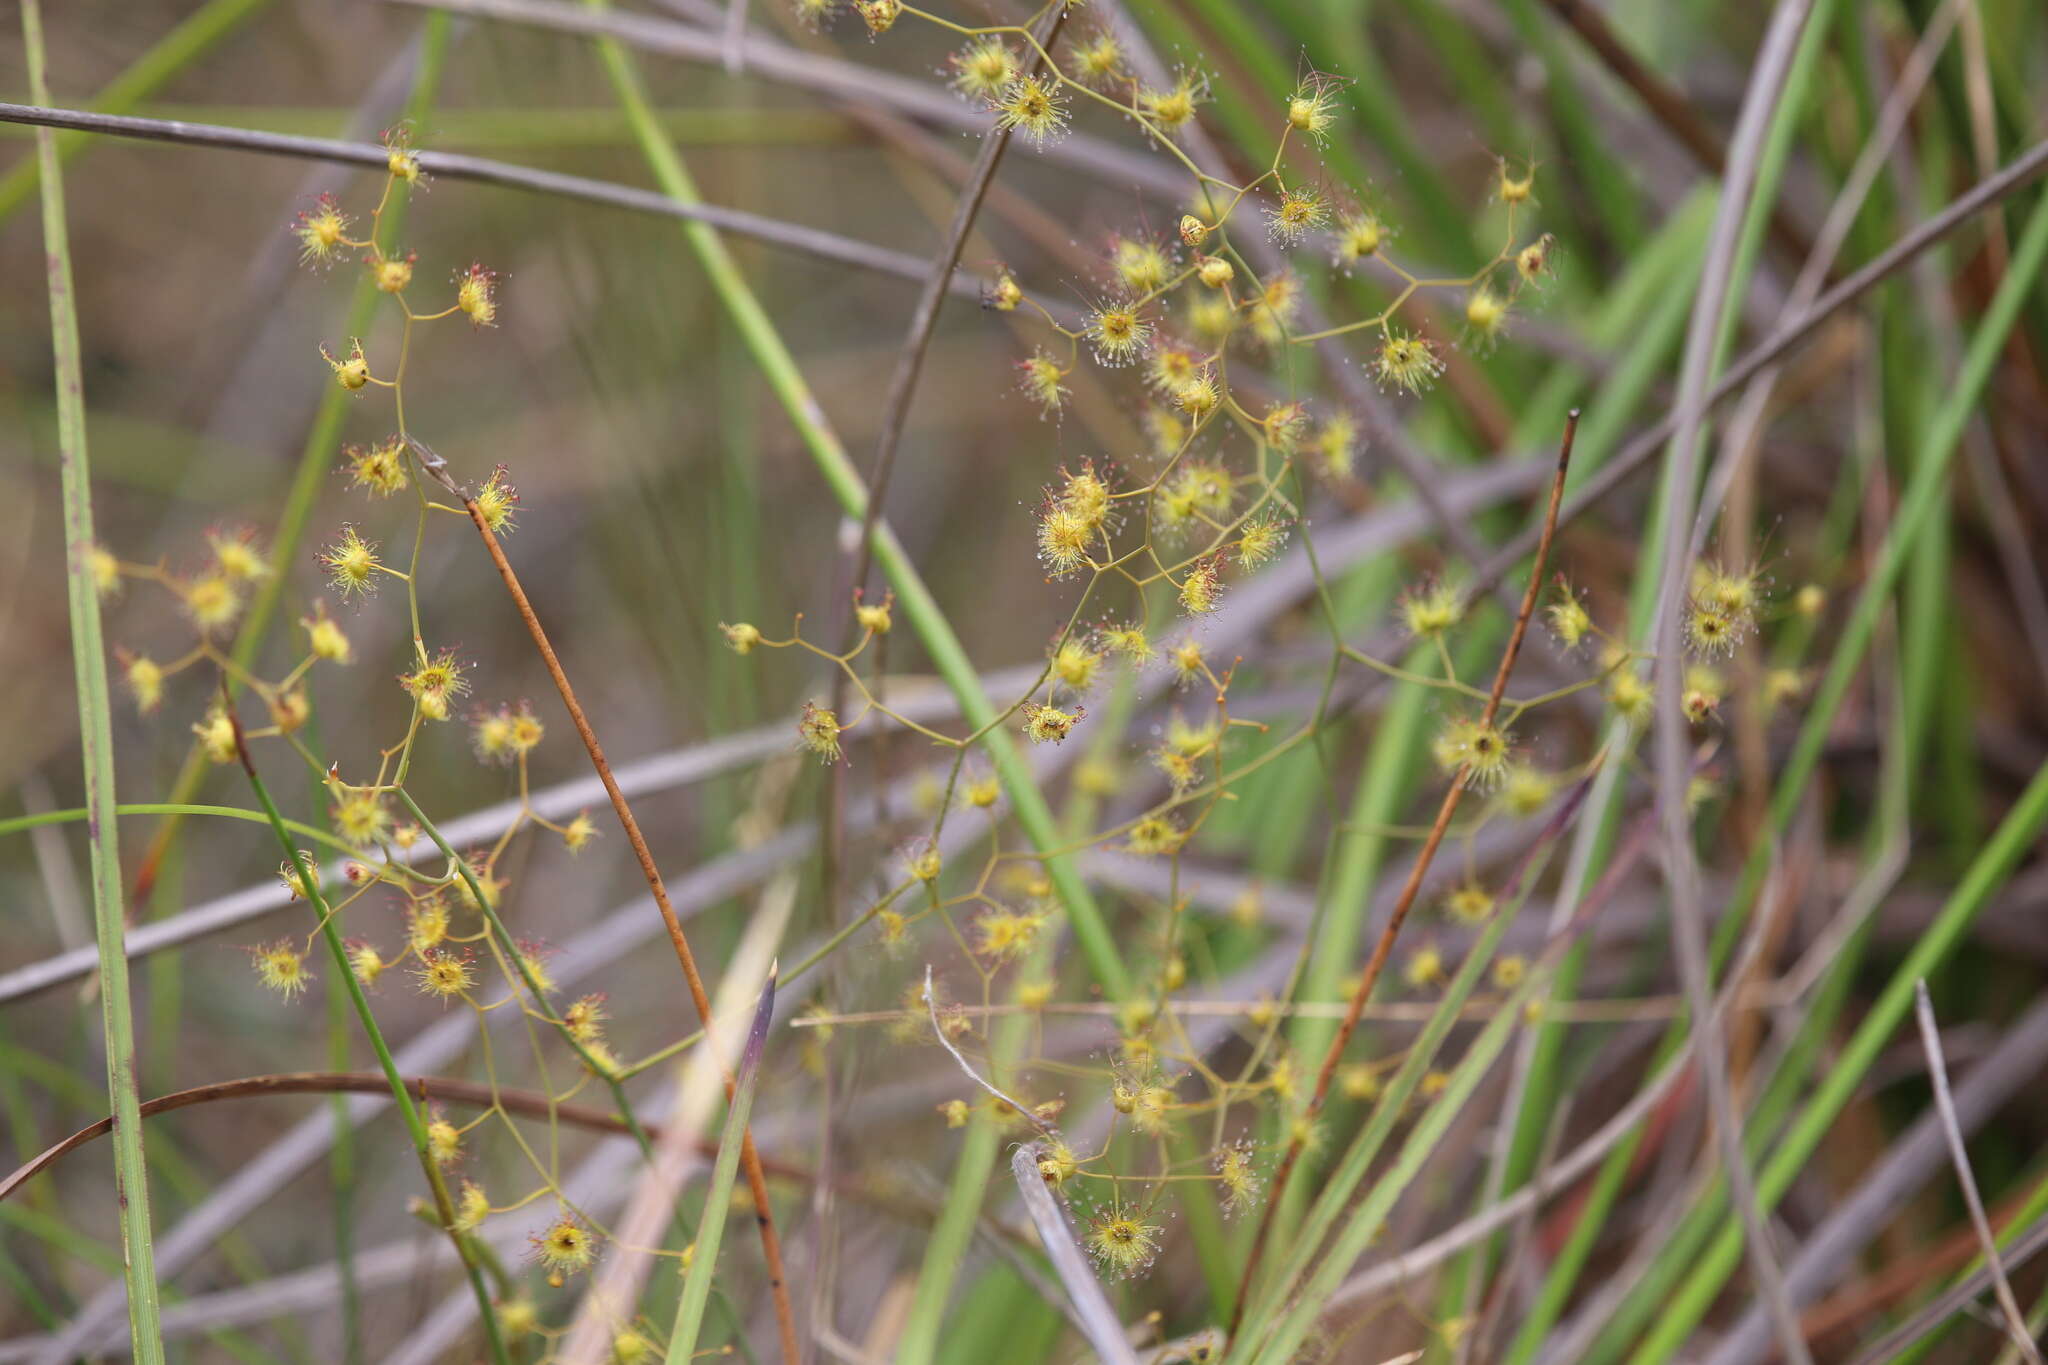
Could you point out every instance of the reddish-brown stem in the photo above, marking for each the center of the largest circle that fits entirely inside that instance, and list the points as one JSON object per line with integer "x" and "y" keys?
{"x": 525, "y": 1103}
{"x": 1384, "y": 948}
{"x": 750, "y": 1158}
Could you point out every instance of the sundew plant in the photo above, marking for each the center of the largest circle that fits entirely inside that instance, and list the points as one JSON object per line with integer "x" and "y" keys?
{"x": 1142, "y": 680}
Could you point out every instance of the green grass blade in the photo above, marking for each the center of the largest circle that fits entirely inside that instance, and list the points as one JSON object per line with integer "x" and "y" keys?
{"x": 1366, "y": 1221}
{"x": 1275, "y": 1296}
{"x": 95, "y": 727}
{"x": 682, "y": 1342}
{"x": 74, "y": 814}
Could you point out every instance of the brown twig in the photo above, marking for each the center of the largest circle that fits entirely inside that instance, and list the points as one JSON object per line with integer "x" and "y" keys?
{"x": 750, "y": 1157}
{"x": 1384, "y": 948}
{"x": 525, "y": 1103}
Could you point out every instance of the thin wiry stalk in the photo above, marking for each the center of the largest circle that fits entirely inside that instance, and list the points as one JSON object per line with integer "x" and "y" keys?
{"x": 95, "y": 729}
{"x": 415, "y": 1126}
{"x": 1673, "y": 746}
{"x": 1384, "y": 947}
{"x": 757, "y": 1181}
{"x": 1966, "y": 1179}
{"x": 1024, "y": 1111}
{"x": 428, "y": 1089}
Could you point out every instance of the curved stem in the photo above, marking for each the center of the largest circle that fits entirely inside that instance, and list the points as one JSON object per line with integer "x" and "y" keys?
{"x": 415, "y": 1126}
{"x": 750, "y": 1157}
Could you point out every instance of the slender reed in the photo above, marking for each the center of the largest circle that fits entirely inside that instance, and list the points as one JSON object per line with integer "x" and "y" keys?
{"x": 95, "y": 724}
